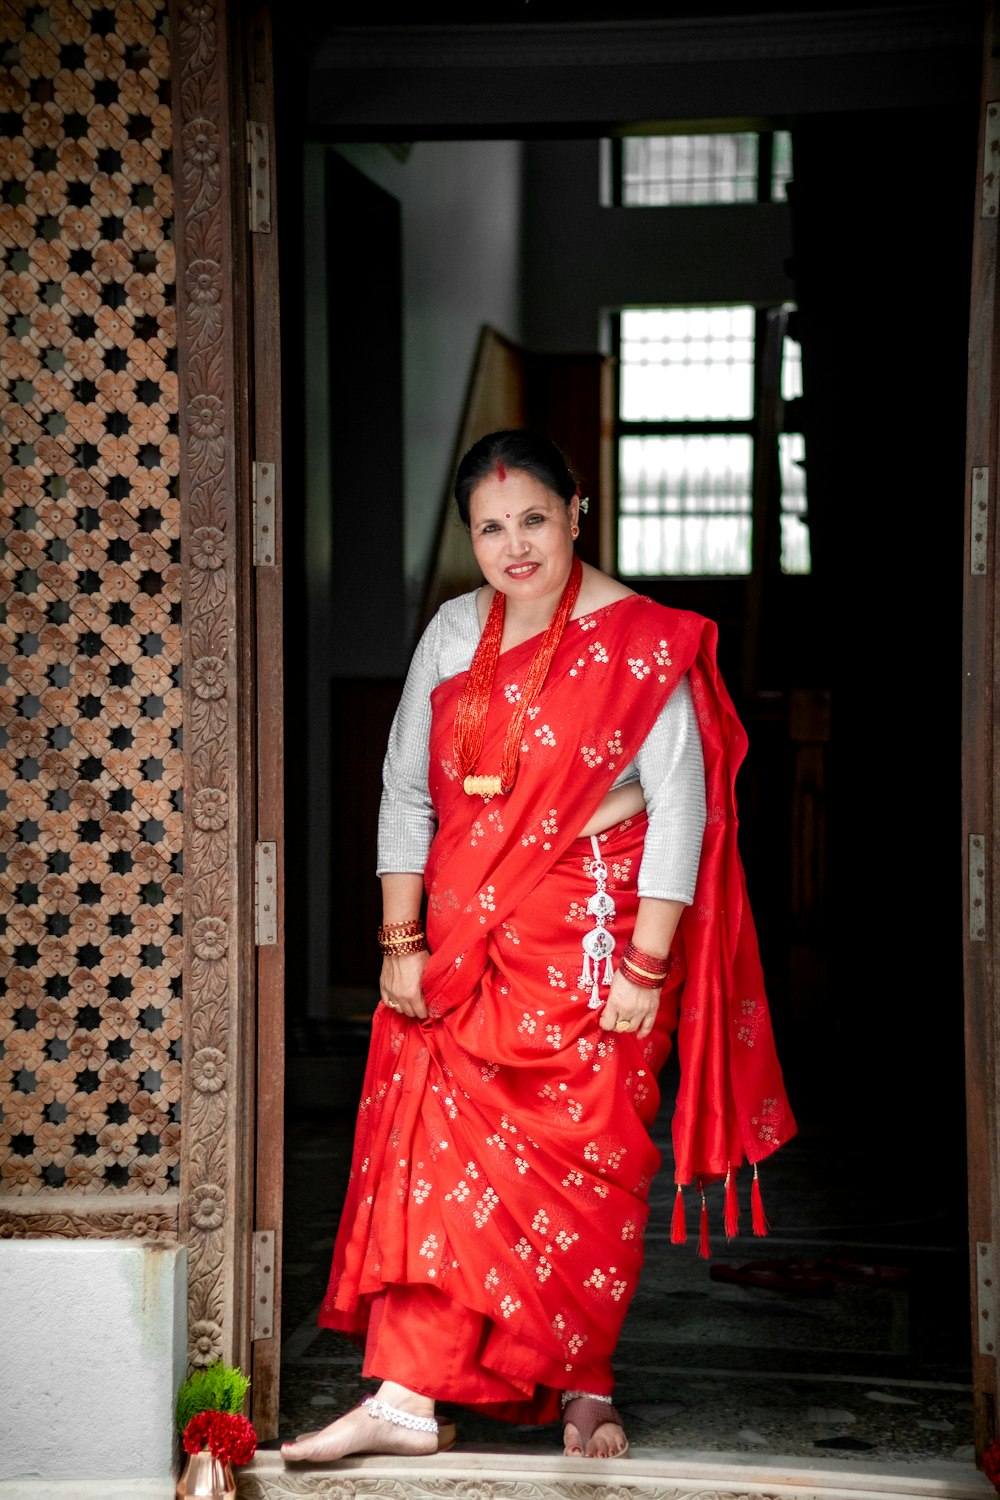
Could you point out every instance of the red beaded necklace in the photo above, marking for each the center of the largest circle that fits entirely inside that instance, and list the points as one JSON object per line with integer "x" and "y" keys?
{"x": 473, "y": 705}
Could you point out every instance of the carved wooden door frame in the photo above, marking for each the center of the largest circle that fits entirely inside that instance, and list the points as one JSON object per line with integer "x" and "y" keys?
{"x": 229, "y": 429}
{"x": 232, "y": 667}
{"x": 981, "y": 751}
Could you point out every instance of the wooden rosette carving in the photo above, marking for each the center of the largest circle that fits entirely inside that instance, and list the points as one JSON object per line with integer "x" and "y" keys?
{"x": 217, "y": 973}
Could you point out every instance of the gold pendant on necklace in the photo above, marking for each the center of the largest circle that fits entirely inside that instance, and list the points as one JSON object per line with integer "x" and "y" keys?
{"x": 482, "y": 786}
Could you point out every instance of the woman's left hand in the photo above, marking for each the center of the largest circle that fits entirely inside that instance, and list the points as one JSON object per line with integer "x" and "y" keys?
{"x": 632, "y": 1003}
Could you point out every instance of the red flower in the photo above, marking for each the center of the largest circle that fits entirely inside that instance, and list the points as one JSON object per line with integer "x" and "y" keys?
{"x": 197, "y": 1430}
{"x": 239, "y": 1440}
{"x": 228, "y": 1435}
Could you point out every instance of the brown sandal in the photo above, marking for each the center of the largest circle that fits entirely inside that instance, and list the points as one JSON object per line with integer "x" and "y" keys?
{"x": 587, "y": 1413}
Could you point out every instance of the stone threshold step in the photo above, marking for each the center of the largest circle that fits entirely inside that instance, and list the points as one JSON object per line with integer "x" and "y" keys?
{"x": 644, "y": 1475}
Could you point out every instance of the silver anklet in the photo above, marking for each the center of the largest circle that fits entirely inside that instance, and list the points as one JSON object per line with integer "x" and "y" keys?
{"x": 399, "y": 1418}
{"x": 568, "y": 1396}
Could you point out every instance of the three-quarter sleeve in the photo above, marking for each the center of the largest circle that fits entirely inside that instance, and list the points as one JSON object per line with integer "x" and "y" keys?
{"x": 406, "y": 821}
{"x": 671, "y": 770}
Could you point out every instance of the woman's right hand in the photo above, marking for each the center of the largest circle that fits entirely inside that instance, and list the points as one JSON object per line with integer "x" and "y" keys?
{"x": 400, "y": 983}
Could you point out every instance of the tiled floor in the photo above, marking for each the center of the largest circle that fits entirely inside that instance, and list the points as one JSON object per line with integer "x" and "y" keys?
{"x": 853, "y": 1339}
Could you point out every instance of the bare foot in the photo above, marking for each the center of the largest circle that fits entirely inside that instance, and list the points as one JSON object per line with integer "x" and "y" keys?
{"x": 362, "y": 1431}
{"x": 606, "y": 1441}
{"x": 592, "y": 1428}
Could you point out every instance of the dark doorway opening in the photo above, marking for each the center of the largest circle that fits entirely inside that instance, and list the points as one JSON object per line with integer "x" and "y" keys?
{"x": 847, "y": 1330}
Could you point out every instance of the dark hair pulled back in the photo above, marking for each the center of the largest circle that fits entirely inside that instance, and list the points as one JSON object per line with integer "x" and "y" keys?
{"x": 514, "y": 448}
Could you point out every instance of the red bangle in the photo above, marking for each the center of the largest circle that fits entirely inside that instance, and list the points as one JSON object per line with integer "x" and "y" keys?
{"x": 646, "y": 974}
{"x": 637, "y": 976}
{"x": 649, "y": 963}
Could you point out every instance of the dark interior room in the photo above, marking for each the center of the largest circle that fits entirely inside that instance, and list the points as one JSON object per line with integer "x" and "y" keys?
{"x": 458, "y": 200}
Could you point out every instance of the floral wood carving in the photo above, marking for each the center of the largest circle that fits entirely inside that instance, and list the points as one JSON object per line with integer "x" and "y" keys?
{"x": 208, "y": 306}
{"x": 137, "y": 1223}
{"x": 90, "y": 650}
{"x": 261, "y": 1481}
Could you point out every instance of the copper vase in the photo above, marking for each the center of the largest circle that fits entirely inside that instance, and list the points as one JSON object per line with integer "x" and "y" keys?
{"x": 207, "y": 1476}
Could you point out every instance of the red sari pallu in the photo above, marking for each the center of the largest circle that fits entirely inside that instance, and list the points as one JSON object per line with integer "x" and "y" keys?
{"x": 492, "y": 1235}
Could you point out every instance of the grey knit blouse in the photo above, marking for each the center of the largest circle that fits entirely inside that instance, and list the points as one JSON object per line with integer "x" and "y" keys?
{"x": 669, "y": 767}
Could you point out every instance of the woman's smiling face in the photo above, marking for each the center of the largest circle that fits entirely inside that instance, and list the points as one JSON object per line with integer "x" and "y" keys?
{"x": 522, "y": 534}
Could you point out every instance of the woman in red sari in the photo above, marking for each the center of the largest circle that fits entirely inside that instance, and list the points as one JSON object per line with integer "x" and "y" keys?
{"x": 559, "y": 786}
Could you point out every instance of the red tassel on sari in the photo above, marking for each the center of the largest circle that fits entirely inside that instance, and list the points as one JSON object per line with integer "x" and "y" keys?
{"x": 760, "y": 1224}
{"x": 704, "y": 1249}
{"x": 678, "y": 1225}
{"x": 732, "y": 1212}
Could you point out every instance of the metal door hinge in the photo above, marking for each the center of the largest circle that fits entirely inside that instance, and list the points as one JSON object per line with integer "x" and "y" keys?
{"x": 259, "y": 162}
{"x": 264, "y": 485}
{"x": 980, "y": 518}
{"x": 986, "y": 1300}
{"x": 977, "y": 888}
{"x": 266, "y": 895}
{"x": 264, "y": 1246}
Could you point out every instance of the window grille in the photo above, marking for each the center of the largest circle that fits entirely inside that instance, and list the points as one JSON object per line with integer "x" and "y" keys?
{"x": 658, "y": 171}
{"x": 684, "y": 505}
{"x": 687, "y": 443}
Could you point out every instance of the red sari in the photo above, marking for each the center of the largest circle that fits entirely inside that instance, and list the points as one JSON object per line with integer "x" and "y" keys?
{"x": 492, "y": 1235}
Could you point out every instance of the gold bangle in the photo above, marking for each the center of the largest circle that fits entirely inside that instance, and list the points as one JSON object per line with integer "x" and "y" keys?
{"x": 652, "y": 982}
{"x": 415, "y": 944}
{"x": 634, "y": 968}
{"x": 399, "y": 929}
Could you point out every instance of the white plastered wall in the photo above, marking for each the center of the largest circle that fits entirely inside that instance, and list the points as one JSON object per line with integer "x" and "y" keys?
{"x": 94, "y": 1348}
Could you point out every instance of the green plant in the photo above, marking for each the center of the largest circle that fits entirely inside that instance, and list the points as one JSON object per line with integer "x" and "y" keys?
{"x": 218, "y": 1387}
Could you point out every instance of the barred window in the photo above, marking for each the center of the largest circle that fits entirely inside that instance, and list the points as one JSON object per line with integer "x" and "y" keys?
{"x": 687, "y": 443}
{"x": 656, "y": 171}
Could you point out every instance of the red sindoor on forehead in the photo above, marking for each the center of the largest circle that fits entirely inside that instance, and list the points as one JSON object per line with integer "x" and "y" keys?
{"x": 501, "y": 470}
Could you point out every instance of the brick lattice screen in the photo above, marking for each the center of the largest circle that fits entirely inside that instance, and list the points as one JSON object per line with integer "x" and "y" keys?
{"x": 90, "y": 644}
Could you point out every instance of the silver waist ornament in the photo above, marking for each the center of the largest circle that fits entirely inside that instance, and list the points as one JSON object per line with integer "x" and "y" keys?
{"x": 598, "y": 943}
